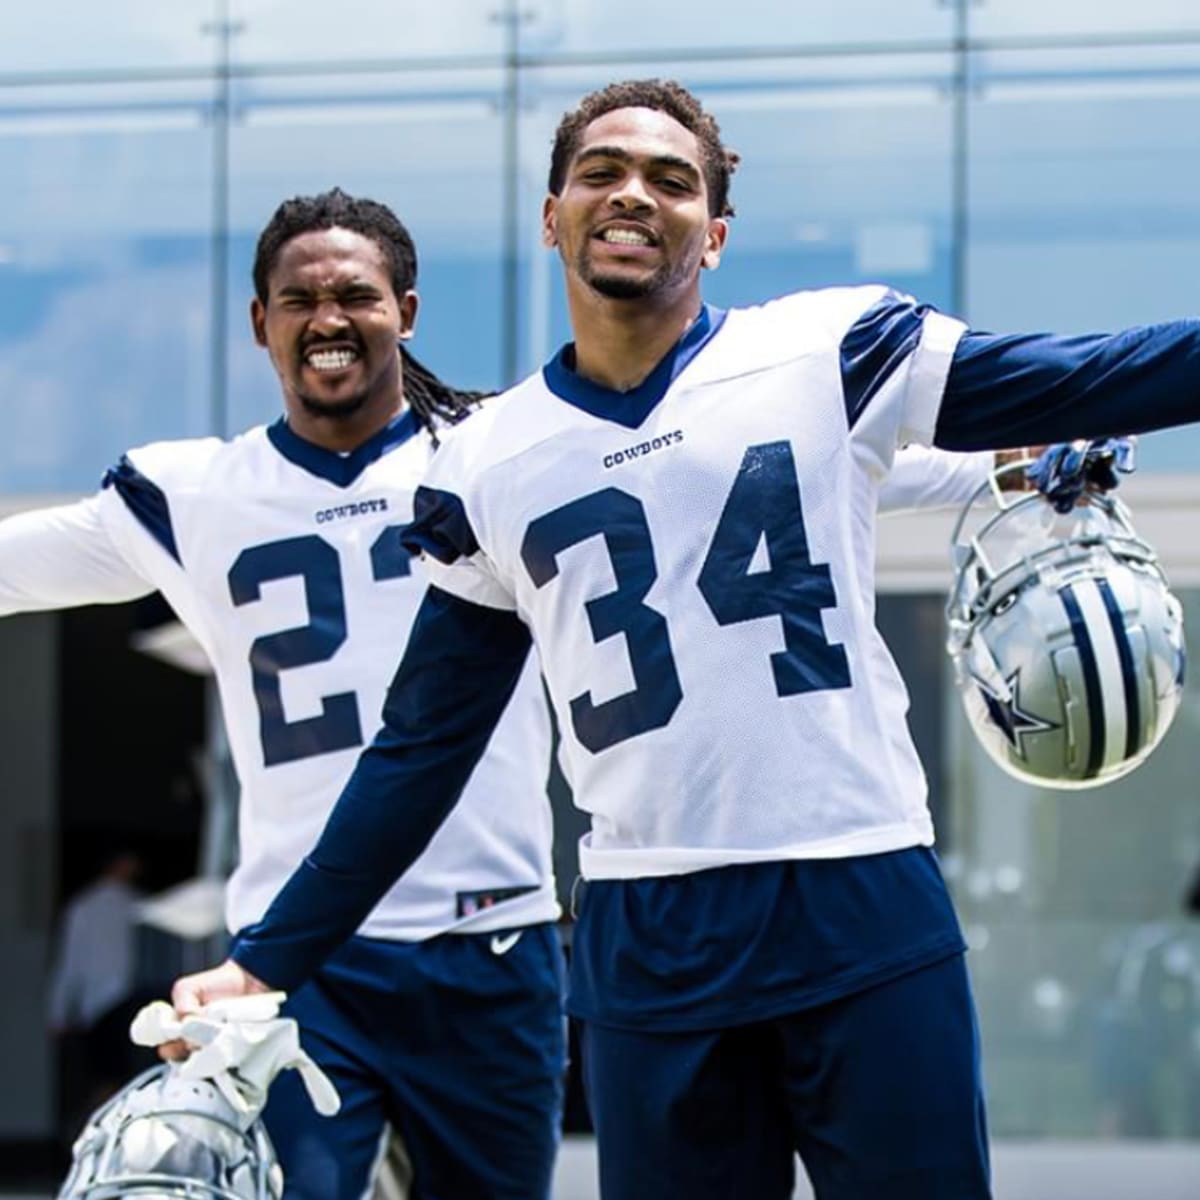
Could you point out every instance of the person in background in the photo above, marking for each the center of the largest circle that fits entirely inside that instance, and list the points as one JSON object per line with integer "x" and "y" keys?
{"x": 93, "y": 989}
{"x": 279, "y": 550}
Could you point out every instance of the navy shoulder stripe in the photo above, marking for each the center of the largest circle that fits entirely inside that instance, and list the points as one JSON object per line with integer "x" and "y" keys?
{"x": 874, "y": 347}
{"x": 440, "y": 526}
{"x": 145, "y": 499}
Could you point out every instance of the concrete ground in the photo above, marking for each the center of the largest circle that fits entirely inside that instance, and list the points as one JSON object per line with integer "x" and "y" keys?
{"x": 1023, "y": 1171}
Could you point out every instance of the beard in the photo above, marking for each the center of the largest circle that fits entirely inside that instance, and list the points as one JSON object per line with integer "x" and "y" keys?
{"x": 333, "y": 410}
{"x": 664, "y": 278}
{"x": 620, "y": 288}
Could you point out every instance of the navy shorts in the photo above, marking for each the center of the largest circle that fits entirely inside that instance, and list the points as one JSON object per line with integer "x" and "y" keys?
{"x": 457, "y": 1042}
{"x": 879, "y": 1093}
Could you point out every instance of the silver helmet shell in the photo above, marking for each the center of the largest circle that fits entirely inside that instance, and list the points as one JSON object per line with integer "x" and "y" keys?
{"x": 1067, "y": 642}
{"x": 165, "y": 1137}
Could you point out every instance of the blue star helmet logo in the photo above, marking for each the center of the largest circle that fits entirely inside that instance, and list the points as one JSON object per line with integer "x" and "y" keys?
{"x": 1008, "y": 716}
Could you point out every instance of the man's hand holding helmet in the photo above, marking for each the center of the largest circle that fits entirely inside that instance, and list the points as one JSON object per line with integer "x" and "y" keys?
{"x": 1068, "y": 472}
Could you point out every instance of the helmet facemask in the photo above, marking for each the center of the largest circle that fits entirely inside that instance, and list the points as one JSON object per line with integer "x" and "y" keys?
{"x": 170, "y": 1138}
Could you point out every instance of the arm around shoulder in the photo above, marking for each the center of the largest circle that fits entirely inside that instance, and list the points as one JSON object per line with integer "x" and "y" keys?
{"x": 457, "y": 675}
{"x": 923, "y": 477}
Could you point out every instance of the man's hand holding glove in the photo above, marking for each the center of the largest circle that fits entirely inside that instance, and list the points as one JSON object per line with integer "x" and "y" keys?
{"x": 242, "y": 1044}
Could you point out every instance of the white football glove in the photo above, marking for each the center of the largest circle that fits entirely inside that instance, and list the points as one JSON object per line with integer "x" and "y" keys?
{"x": 243, "y": 1044}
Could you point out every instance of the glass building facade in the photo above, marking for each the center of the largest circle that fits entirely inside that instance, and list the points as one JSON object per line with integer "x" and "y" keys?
{"x": 1025, "y": 165}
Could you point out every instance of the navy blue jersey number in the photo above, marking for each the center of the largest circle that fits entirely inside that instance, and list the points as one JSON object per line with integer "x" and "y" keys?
{"x": 389, "y": 559}
{"x": 621, "y": 520}
{"x": 763, "y": 508}
{"x": 314, "y": 561}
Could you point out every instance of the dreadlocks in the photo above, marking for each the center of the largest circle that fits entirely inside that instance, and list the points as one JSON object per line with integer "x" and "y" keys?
{"x": 432, "y": 400}
{"x": 662, "y": 95}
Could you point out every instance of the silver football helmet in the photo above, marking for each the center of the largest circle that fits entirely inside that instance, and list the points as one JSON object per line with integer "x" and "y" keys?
{"x": 163, "y": 1137}
{"x": 1067, "y": 643}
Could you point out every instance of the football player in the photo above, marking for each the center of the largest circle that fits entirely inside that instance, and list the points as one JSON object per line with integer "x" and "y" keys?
{"x": 279, "y": 550}
{"x": 679, "y": 511}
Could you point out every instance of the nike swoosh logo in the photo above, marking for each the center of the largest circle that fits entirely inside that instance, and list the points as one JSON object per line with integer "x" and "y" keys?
{"x": 503, "y": 944}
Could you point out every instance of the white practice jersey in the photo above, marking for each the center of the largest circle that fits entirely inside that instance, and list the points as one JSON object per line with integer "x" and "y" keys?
{"x": 284, "y": 561}
{"x": 696, "y": 562}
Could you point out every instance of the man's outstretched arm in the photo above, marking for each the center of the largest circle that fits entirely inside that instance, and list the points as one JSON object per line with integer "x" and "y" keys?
{"x": 1021, "y": 389}
{"x": 460, "y": 668}
{"x": 60, "y": 557}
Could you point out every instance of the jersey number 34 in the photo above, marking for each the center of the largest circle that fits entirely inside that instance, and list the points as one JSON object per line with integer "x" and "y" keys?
{"x": 763, "y": 506}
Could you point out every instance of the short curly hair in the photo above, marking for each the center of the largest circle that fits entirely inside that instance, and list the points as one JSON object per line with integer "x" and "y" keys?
{"x": 662, "y": 95}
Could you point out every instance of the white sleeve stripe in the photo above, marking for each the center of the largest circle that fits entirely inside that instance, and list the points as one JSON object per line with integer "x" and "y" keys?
{"x": 928, "y": 373}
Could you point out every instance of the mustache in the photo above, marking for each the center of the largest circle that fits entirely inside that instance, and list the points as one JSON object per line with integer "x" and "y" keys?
{"x": 311, "y": 343}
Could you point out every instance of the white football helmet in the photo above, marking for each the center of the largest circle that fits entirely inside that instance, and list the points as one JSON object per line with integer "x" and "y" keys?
{"x": 164, "y": 1137}
{"x": 1067, "y": 643}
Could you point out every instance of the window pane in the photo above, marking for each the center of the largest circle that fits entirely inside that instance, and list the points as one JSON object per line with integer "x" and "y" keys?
{"x": 428, "y": 146}
{"x": 844, "y": 178}
{"x": 1012, "y": 18}
{"x": 307, "y": 31}
{"x": 1084, "y": 171}
{"x": 104, "y": 287}
{"x": 610, "y": 26}
{"x": 63, "y": 35}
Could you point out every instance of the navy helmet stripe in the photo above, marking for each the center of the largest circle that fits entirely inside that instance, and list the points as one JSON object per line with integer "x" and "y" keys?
{"x": 875, "y": 346}
{"x": 146, "y": 501}
{"x": 1091, "y": 681}
{"x": 1133, "y": 716}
